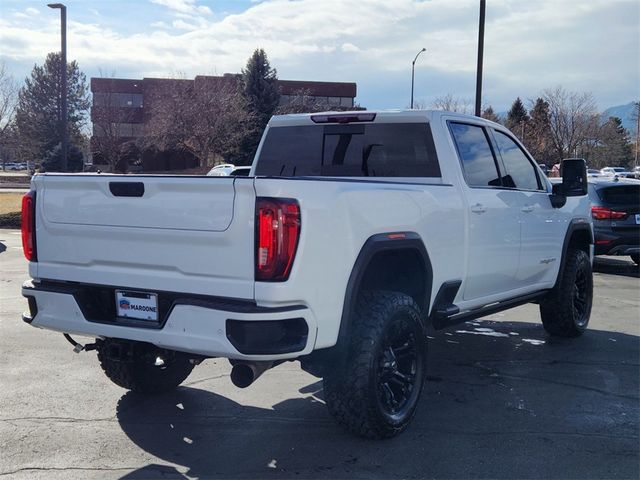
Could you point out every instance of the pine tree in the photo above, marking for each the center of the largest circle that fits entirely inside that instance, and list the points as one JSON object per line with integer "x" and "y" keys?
{"x": 539, "y": 142}
{"x": 38, "y": 110}
{"x": 262, "y": 95}
{"x": 517, "y": 118}
{"x": 613, "y": 147}
{"x": 260, "y": 86}
{"x": 53, "y": 159}
{"x": 489, "y": 114}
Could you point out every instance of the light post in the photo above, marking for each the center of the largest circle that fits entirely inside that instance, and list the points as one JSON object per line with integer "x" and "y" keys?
{"x": 483, "y": 6}
{"x": 413, "y": 72}
{"x": 635, "y": 165}
{"x": 63, "y": 81}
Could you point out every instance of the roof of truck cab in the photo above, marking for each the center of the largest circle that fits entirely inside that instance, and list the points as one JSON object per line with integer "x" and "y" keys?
{"x": 382, "y": 116}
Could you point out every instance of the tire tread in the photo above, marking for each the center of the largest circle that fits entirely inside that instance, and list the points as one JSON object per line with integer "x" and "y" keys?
{"x": 556, "y": 308}
{"x": 348, "y": 392}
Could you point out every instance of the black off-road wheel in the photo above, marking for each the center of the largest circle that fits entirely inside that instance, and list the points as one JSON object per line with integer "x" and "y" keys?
{"x": 142, "y": 367}
{"x": 565, "y": 311}
{"x": 374, "y": 394}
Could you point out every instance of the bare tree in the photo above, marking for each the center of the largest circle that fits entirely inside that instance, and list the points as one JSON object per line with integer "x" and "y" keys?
{"x": 450, "y": 103}
{"x": 419, "y": 105}
{"x": 301, "y": 102}
{"x": 8, "y": 97}
{"x": 573, "y": 120}
{"x": 8, "y": 102}
{"x": 113, "y": 125}
{"x": 206, "y": 118}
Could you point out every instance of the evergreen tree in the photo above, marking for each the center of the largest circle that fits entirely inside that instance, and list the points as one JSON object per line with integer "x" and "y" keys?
{"x": 517, "y": 118}
{"x": 39, "y": 107}
{"x": 489, "y": 114}
{"x": 262, "y": 95}
{"x": 539, "y": 142}
{"x": 613, "y": 147}
{"x": 53, "y": 159}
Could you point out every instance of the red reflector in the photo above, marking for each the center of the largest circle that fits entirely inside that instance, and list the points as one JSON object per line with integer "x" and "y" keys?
{"x": 603, "y": 242}
{"x": 343, "y": 118}
{"x": 604, "y": 213}
{"x": 27, "y": 224}
{"x": 277, "y": 232}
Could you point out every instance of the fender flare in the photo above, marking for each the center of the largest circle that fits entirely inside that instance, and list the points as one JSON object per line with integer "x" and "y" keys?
{"x": 376, "y": 244}
{"x": 575, "y": 225}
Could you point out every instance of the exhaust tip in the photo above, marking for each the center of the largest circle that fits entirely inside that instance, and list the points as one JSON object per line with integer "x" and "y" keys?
{"x": 242, "y": 375}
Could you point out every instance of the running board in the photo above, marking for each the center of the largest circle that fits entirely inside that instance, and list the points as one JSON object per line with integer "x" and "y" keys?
{"x": 440, "y": 321}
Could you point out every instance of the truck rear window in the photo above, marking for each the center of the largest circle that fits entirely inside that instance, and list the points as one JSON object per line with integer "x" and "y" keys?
{"x": 355, "y": 150}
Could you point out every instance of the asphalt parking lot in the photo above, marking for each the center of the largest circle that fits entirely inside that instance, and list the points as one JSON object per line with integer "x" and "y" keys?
{"x": 503, "y": 400}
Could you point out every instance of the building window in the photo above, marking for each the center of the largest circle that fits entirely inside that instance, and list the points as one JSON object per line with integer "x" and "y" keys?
{"x": 124, "y": 130}
{"x": 117, "y": 130}
{"x": 136, "y": 99}
{"x": 136, "y": 130}
{"x": 123, "y": 100}
{"x": 346, "y": 102}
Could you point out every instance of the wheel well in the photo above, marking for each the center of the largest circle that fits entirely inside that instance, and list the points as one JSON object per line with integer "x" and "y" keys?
{"x": 580, "y": 240}
{"x": 398, "y": 271}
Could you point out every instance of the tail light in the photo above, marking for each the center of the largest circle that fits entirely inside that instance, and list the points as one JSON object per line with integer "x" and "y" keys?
{"x": 28, "y": 226}
{"x": 604, "y": 213}
{"x": 277, "y": 233}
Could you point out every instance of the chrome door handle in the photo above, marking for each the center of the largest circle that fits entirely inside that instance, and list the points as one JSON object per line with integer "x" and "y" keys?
{"x": 527, "y": 208}
{"x": 478, "y": 208}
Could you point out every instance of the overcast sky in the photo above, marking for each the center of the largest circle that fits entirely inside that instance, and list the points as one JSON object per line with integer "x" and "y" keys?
{"x": 585, "y": 45}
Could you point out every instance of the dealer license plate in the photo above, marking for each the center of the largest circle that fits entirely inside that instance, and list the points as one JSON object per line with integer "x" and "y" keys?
{"x": 138, "y": 305}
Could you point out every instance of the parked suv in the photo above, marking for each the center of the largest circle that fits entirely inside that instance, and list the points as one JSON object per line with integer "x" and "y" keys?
{"x": 615, "y": 209}
{"x": 354, "y": 233}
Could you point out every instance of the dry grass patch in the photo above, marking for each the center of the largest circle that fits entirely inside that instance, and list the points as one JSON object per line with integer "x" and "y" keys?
{"x": 10, "y": 202}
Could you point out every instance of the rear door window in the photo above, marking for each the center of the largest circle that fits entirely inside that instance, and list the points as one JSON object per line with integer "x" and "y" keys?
{"x": 354, "y": 150}
{"x": 478, "y": 163}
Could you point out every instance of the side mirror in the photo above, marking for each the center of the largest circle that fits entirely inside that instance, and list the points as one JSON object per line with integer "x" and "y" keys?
{"x": 574, "y": 177}
{"x": 574, "y": 182}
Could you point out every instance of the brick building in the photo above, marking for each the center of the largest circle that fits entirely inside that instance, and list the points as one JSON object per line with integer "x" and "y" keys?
{"x": 127, "y": 105}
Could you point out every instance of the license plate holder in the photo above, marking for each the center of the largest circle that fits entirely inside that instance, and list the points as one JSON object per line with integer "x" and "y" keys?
{"x": 137, "y": 305}
{"x": 637, "y": 218}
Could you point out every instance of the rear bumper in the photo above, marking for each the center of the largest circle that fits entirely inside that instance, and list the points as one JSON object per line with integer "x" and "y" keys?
{"x": 611, "y": 243}
{"x": 214, "y": 327}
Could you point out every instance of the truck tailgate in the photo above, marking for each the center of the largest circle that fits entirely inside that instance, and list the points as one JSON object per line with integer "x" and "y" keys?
{"x": 182, "y": 234}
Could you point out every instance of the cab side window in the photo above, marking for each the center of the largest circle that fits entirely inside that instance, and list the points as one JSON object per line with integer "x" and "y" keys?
{"x": 520, "y": 172}
{"x": 478, "y": 163}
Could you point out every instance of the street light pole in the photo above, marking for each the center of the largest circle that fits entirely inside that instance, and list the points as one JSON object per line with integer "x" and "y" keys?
{"x": 413, "y": 72}
{"x": 637, "y": 107}
{"x": 63, "y": 82}
{"x": 483, "y": 5}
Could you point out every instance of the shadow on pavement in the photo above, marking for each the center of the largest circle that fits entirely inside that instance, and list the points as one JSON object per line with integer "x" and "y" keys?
{"x": 616, "y": 266}
{"x": 502, "y": 401}
{"x": 3, "y": 247}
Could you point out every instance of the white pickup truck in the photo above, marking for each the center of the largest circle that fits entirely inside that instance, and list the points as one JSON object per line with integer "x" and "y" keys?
{"x": 353, "y": 233}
